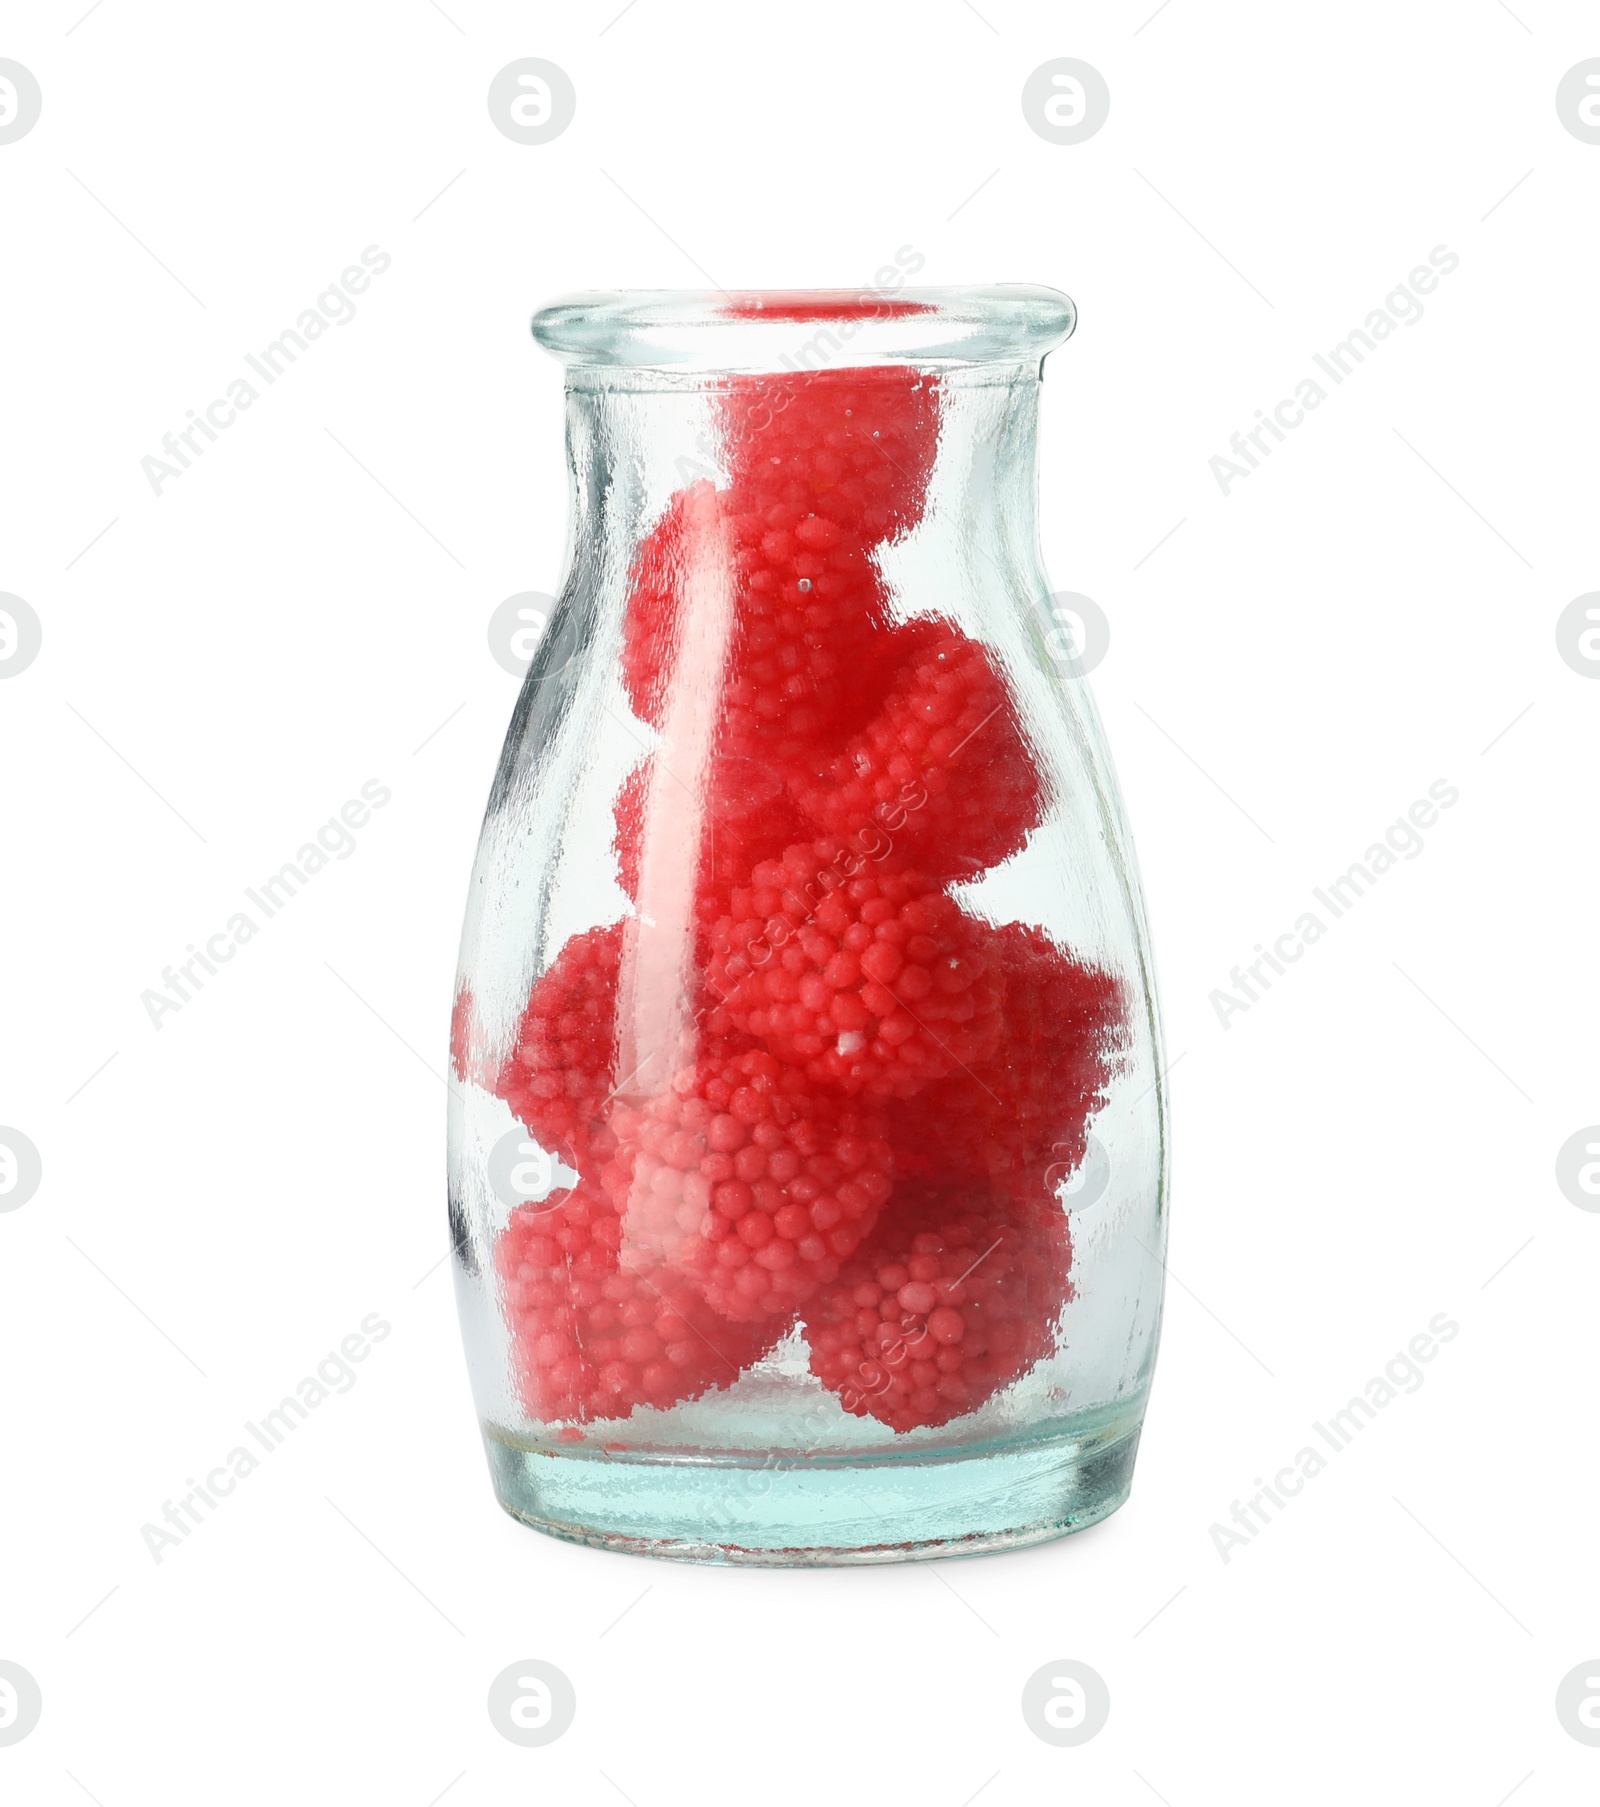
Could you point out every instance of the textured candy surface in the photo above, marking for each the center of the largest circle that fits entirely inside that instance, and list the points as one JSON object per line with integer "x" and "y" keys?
{"x": 855, "y": 446}
{"x": 1020, "y": 1116}
{"x": 746, "y": 817}
{"x": 559, "y": 1073}
{"x": 942, "y": 766}
{"x": 954, "y": 1296}
{"x": 749, "y": 1182}
{"x": 860, "y": 972}
{"x": 825, "y": 469}
{"x": 593, "y": 1336}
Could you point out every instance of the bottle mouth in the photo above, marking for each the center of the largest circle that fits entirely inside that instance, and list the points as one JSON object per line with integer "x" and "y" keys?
{"x": 804, "y": 329}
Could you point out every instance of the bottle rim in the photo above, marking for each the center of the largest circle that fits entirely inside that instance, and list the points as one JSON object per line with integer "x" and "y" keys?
{"x": 799, "y": 330}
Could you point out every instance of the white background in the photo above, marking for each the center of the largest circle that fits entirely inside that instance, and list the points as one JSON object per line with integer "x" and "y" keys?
{"x": 1369, "y": 1145}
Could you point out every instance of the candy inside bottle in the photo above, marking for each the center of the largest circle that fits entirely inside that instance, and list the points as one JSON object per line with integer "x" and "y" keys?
{"x": 857, "y": 1099}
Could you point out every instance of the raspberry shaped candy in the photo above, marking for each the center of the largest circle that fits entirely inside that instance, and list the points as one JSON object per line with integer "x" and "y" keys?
{"x": 808, "y": 605}
{"x": 747, "y": 1183}
{"x": 1020, "y": 1117}
{"x": 856, "y": 445}
{"x": 954, "y": 1296}
{"x": 943, "y": 766}
{"x": 557, "y": 1077}
{"x": 824, "y": 468}
{"x": 656, "y": 587}
{"x": 860, "y": 972}
{"x": 594, "y": 1338}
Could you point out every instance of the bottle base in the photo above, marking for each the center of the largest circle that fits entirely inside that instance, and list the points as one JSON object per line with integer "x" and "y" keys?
{"x": 797, "y": 1512}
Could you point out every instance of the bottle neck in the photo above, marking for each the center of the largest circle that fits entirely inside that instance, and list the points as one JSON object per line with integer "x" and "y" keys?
{"x": 813, "y": 473}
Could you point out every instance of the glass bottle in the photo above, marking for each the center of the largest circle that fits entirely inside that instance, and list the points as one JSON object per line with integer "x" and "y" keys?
{"x": 807, "y": 1155}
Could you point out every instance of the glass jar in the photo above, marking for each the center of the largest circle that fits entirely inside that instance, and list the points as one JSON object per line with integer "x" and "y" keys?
{"x": 807, "y": 1155}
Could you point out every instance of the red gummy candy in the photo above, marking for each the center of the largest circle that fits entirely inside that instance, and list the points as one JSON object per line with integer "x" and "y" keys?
{"x": 689, "y": 526}
{"x": 855, "y": 445}
{"x": 747, "y": 1181}
{"x": 825, "y": 467}
{"x": 955, "y": 1295}
{"x": 807, "y": 604}
{"x": 745, "y": 817}
{"x": 810, "y": 604}
{"x": 859, "y": 971}
{"x": 943, "y": 767}
{"x": 1020, "y": 1117}
{"x": 558, "y": 1075}
{"x": 593, "y": 1337}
